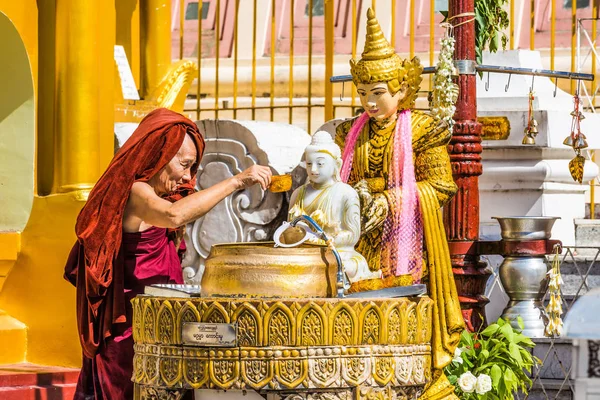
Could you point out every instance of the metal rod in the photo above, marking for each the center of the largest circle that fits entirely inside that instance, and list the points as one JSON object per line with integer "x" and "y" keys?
{"x": 412, "y": 29}
{"x": 199, "y": 56}
{"x": 593, "y": 44}
{"x": 431, "y": 38}
{"x": 310, "y": 51}
{"x": 181, "y": 27}
{"x": 511, "y": 33}
{"x": 217, "y": 54}
{"x": 272, "y": 85}
{"x": 254, "y": 12}
{"x": 393, "y": 41}
{"x": 574, "y": 27}
{"x": 552, "y": 33}
{"x": 354, "y": 15}
{"x": 235, "y": 58}
{"x": 532, "y": 25}
{"x": 501, "y": 70}
{"x": 291, "y": 78}
{"x": 329, "y": 44}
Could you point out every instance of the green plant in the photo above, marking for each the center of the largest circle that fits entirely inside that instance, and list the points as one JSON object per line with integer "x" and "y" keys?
{"x": 490, "y": 20}
{"x": 491, "y": 364}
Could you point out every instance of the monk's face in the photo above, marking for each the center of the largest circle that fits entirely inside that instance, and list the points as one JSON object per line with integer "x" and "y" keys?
{"x": 178, "y": 170}
{"x": 377, "y": 100}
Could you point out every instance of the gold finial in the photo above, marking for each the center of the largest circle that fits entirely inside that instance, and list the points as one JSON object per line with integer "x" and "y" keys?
{"x": 376, "y": 46}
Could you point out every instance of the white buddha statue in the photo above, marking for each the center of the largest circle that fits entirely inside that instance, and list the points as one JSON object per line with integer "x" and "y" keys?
{"x": 334, "y": 205}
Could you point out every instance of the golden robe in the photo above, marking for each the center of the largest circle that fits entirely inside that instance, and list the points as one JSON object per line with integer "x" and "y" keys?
{"x": 372, "y": 158}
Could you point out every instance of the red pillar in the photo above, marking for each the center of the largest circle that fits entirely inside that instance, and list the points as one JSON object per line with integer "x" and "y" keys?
{"x": 461, "y": 215}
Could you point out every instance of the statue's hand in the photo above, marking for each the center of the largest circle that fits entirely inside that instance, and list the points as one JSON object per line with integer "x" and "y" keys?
{"x": 364, "y": 194}
{"x": 375, "y": 214}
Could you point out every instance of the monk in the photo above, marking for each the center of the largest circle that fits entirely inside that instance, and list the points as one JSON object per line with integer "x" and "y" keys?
{"x": 128, "y": 236}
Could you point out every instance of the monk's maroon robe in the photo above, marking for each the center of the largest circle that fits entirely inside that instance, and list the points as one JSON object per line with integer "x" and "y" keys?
{"x": 149, "y": 257}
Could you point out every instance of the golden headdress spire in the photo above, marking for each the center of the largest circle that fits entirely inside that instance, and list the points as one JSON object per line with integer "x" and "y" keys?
{"x": 380, "y": 63}
{"x": 376, "y": 46}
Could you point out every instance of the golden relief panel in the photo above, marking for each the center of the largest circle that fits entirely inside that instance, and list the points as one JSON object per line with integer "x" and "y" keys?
{"x": 307, "y": 344}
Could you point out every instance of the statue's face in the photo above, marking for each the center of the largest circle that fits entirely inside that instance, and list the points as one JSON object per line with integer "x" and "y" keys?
{"x": 320, "y": 168}
{"x": 377, "y": 100}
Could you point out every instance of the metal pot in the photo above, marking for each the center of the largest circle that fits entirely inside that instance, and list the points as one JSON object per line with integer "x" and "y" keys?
{"x": 524, "y": 277}
{"x": 525, "y": 228}
{"x": 260, "y": 269}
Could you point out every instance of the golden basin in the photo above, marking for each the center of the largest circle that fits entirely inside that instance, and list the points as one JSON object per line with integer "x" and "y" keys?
{"x": 260, "y": 269}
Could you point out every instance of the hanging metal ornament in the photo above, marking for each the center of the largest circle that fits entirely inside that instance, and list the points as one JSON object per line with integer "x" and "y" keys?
{"x": 531, "y": 129}
{"x": 577, "y": 141}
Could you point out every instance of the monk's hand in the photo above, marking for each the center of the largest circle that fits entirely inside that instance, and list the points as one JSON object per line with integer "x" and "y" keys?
{"x": 364, "y": 194}
{"x": 375, "y": 214}
{"x": 253, "y": 175}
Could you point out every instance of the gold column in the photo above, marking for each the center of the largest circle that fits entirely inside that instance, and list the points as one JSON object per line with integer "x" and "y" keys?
{"x": 155, "y": 43}
{"x": 85, "y": 36}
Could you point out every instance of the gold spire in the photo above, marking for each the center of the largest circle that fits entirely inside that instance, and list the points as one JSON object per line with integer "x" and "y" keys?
{"x": 376, "y": 46}
{"x": 380, "y": 63}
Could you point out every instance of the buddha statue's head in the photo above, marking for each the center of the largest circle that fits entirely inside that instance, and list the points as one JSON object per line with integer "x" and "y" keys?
{"x": 385, "y": 82}
{"x": 323, "y": 159}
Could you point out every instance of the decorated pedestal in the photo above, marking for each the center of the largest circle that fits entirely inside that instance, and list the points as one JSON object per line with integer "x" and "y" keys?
{"x": 285, "y": 348}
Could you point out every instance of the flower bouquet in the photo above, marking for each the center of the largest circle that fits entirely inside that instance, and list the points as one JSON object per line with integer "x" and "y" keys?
{"x": 491, "y": 364}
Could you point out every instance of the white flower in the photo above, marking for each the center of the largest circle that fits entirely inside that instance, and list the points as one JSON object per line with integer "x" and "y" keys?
{"x": 457, "y": 356}
{"x": 484, "y": 384}
{"x": 467, "y": 382}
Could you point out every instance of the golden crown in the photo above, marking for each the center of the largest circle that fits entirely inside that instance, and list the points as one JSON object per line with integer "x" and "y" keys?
{"x": 380, "y": 63}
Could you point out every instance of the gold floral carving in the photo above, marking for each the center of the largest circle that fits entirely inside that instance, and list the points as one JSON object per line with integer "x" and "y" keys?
{"x": 170, "y": 370}
{"x": 291, "y": 368}
{"x": 372, "y": 324}
{"x": 279, "y": 323}
{"x": 224, "y": 368}
{"x": 195, "y": 367}
{"x": 151, "y": 368}
{"x": 356, "y": 365}
{"x": 257, "y": 367}
{"x": 394, "y": 327}
{"x": 149, "y": 322}
{"x": 312, "y": 331}
{"x": 345, "y": 323}
{"x": 216, "y": 314}
{"x": 411, "y": 316}
{"x": 324, "y": 367}
{"x": 153, "y": 393}
{"x": 166, "y": 324}
{"x": 404, "y": 366}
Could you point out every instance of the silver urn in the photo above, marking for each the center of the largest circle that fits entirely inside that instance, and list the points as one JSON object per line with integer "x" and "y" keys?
{"x": 524, "y": 278}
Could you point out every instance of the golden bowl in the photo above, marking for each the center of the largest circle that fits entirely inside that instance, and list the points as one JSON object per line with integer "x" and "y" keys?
{"x": 262, "y": 270}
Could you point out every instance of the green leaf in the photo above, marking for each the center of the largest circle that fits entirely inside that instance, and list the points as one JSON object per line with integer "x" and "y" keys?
{"x": 495, "y": 374}
{"x": 490, "y": 330}
{"x": 516, "y": 354}
{"x": 520, "y": 322}
{"x": 507, "y": 331}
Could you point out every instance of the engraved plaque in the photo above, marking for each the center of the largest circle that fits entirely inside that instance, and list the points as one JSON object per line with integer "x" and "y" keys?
{"x": 206, "y": 334}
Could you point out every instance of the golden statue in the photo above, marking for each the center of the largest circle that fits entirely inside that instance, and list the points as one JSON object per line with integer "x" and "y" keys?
{"x": 398, "y": 162}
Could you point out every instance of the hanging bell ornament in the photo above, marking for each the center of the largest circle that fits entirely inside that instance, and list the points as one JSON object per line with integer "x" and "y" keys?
{"x": 528, "y": 139}
{"x": 581, "y": 116}
{"x": 569, "y": 141}
{"x": 533, "y": 126}
{"x": 580, "y": 142}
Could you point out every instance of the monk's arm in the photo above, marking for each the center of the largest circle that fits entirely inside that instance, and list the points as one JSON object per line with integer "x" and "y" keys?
{"x": 145, "y": 204}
